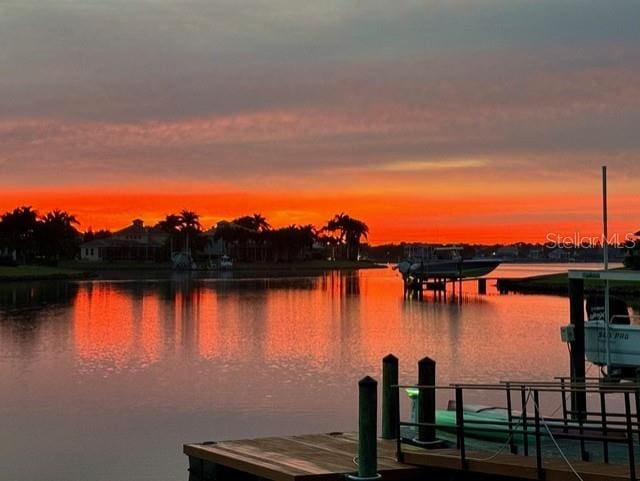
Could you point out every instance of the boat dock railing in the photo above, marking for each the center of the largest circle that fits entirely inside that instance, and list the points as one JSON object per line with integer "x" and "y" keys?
{"x": 605, "y": 426}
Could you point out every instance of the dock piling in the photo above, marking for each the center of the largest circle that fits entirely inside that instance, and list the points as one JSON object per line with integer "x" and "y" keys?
{"x": 367, "y": 430}
{"x": 482, "y": 287}
{"x": 390, "y": 396}
{"x": 427, "y": 401}
{"x": 577, "y": 368}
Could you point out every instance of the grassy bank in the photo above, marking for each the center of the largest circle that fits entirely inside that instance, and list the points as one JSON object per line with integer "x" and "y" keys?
{"x": 39, "y": 273}
{"x": 558, "y": 284}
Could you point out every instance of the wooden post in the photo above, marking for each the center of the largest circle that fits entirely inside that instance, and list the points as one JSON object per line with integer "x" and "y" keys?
{"x": 426, "y": 400}
{"x": 390, "y": 396}
{"x": 367, "y": 430}
{"x": 482, "y": 286}
{"x": 577, "y": 370}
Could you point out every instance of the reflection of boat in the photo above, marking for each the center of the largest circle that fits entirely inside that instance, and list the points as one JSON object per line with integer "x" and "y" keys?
{"x": 444, "y": 262}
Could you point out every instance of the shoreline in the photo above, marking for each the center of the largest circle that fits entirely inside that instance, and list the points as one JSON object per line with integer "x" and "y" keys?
{"x": 238, "y": 266}
{"x": 42, "y": 273}
{"x": 72, "y": 271}
{"x": 558, "y": 285}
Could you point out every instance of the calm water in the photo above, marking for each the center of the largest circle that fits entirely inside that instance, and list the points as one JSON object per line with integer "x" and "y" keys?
{"x": 105, "y": 380}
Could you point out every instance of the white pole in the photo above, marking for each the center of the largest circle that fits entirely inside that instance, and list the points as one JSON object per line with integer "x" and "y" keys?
{"x": 605, "y": 245}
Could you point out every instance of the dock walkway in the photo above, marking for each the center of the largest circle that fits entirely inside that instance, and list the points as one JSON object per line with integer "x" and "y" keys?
{"x": 313, "y": 457}
{"x": 328, "y": 457}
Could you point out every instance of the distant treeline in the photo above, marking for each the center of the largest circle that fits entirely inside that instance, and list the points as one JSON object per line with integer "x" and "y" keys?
{"x": 629, "y": 252}
{"x": 26, "y": 236}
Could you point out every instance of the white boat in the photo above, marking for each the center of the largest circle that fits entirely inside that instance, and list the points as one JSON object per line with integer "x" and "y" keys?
{"x": 624, "y": 344}
{"x": 611, "y": 339}
{"x": 182, "y": 261}
{"x": 226, "y": 263}
{"x": 447, "y": 262}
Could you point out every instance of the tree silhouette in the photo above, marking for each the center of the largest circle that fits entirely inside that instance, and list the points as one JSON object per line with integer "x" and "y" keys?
{"x": 56, "y": 235}
{"x": 190, "y": 221}
{"x": 347, "y": 231}
{"x": 291, "y": 243}
{"x": 171, "y": 224}
{"x": 189, "y": 225}
{"x": 255, "y": 222}
{"x": 90, "y": 235}
{"x": 253, "y": 236}
{"x": 18, "y": 229}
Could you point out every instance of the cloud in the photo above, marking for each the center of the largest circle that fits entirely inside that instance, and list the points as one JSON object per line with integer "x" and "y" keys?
{"x": 367, "y": 96}
{"x": 430, "y": 165}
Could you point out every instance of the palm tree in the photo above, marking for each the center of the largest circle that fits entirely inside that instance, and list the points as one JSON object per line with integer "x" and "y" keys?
{"x": 255, "y": 227}
{"x": 355, "y": 230}
{"x": 171, "y": 225}
{"x": 56, "y": 235}
{"x": 18, "y": 228}
{"x": 348, "y": 231}
{"x": 293, "y": 242}
{"x": 189, "y": 223}
{"x": 256, "y": 222}
{"x": 260, "y": 223}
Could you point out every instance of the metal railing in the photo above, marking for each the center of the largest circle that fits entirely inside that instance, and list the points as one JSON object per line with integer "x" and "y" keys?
{"x": 603, "y": 425}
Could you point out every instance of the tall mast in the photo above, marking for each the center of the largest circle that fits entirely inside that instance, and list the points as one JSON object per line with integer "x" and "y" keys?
{"x": 605, "y": 246}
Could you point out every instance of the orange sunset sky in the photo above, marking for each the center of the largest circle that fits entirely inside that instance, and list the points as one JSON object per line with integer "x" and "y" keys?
{"x": 458, "y": 121}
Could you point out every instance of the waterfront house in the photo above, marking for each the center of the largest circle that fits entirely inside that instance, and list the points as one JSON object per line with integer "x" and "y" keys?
{"x": 559, "y": 254}
{"x": 214, "y": 247}
{"x": 508, "y": 253}
{"x": 536, "y": 254}
{"x": 136, "y": 242}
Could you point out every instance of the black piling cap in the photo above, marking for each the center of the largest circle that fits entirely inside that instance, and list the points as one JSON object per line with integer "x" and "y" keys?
{"x": 367, "y": 381}
{"x": 390, "y": 358}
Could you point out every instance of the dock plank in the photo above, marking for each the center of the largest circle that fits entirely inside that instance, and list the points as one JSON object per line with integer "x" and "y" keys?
{"x": 322, "y": 457}
{"x": 328, "y": 457}
{"x": 522, "y": 467}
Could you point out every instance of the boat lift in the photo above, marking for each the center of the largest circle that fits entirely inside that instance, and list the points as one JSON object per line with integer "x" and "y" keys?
{"x": 611, "y": 342}
{"x": 613, "y": 345}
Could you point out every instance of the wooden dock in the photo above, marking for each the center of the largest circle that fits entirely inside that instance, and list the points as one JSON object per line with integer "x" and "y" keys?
{"x": 316, "y": 457}
{"x": 329, "y": 457}
{"x": 513, "y": 466}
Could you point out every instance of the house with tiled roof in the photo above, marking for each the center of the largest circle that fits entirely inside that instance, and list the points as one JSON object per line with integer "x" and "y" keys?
{"x": 135, "y": 242}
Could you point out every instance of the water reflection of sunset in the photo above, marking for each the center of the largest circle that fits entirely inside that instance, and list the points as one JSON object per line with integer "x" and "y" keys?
{"x": 114, "y": 329}
{"x": 335, "y": 319}
{"x": 175, "y": 359}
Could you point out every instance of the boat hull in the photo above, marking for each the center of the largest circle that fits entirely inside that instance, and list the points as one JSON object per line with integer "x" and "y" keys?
{"x": 624, "y": 344}
{"x": 455, "y": 269}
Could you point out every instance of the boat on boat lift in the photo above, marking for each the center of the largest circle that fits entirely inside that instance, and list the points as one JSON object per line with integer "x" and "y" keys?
{"x": 613, "y": 345}
{"x": 443, "y": 262}
{"x": 611, "y": 333}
